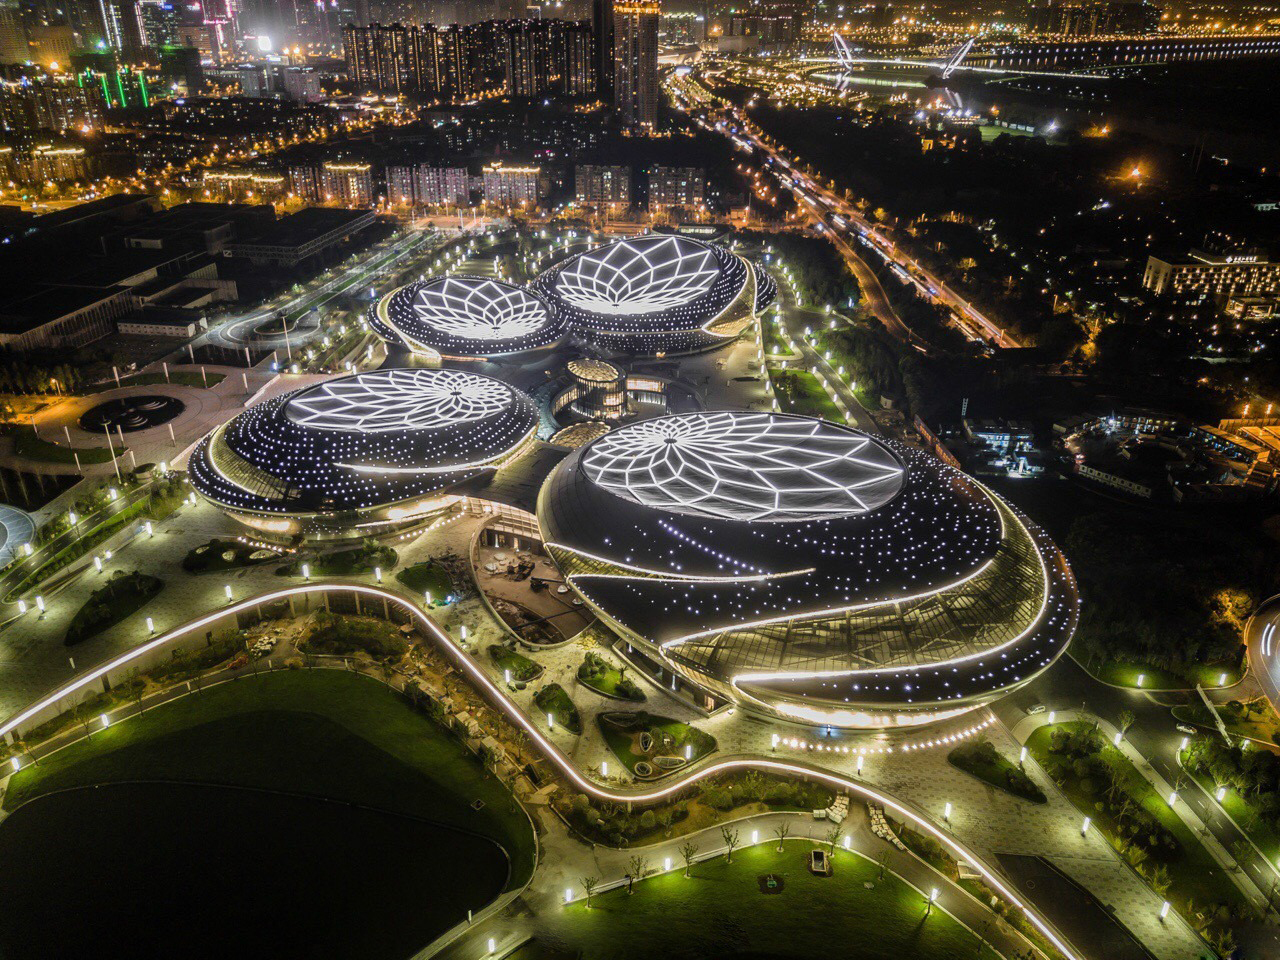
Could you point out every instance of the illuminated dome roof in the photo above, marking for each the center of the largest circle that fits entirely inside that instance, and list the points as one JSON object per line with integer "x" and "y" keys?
{"x": 465, "y": 317}
{"x": 653, "y": 294}
{"x": 746, "y": 466}
{"x": 806, "y": 568}
{"x": 640, "y": 275}
{"x": 362, "y": 442}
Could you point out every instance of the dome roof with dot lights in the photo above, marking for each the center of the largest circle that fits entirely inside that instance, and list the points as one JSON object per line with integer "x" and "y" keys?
{"x": 363, "y": 442}
{"x": 807, "y": 569}
{"x": 653, "y": 294}
{"x": 465, "y": 317}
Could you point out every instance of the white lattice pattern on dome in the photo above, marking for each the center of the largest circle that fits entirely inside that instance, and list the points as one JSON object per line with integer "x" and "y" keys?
{"x": 399, "y": 400}
{"x": 639, "y": 276}
{"x": 745, "y": 466}
{"x": 479, "y": 309}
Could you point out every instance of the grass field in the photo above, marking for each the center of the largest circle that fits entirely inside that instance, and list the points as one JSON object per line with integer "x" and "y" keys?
{"x": 28, "y": 445}
{"x": 1143, "y": 677}
{"x": 720, "y": 912}
{"x": 319, "y": 733}
{"x": 179, "y": 378}
{"x": 554, "y": 701}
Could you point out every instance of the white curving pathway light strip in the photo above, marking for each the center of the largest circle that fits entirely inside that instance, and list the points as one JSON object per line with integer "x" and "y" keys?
{"x": 548, "y": 748}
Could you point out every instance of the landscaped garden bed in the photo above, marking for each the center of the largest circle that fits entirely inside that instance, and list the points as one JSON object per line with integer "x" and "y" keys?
{"x": 554, "y": 702}
{"x": 1139, "y": 823}
{"x": 365, "y": 558}
{"x": 426, "y": 578}
{"x": 981, "y": 759}
{"x": 651, "y": 746}
{"x": 337, "y": 635}
{"x": 710, "y": 802}
{"x": 123, "y": 594}
{"x": 608, "y": 680}
{"x": 522, "y": 668}
{"x": 225, "y": 555}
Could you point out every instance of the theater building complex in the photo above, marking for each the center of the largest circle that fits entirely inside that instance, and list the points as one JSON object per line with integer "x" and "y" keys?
{"x": 791, "y": 566}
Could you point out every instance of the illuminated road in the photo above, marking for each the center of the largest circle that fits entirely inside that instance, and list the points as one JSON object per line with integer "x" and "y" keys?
{"x": 838, "y": 219}
{"x": 1262, "y": 641}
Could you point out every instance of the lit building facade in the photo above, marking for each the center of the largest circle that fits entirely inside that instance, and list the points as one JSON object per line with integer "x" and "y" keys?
{"x": 515, "y": 186}
{"x": 655, "y": 294}
{"x": 1204, "y": 275}
{"x": 364, "y": 455}
{"x": 603, "y": 186}
{"x": 635, "y": 62}
{"x": 806, "y": 571}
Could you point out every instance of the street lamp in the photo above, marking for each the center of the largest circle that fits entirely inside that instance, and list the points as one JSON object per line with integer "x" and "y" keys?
{"x": 1164, "y": 910}
{"x": 1084, "y": 827}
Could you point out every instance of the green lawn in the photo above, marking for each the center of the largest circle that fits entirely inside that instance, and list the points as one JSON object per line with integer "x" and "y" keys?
{"x": 720, "y": 912}
{"x": 117, "y": 599}
{"x": 802, "y": 393}
{"x": 422, "y": 577}
{"x": 521, "y": 667}
{"x": 31, "y": 447}
{"x": 1155, "y": 678}
{"x": 322, "y": 733}
{"x": 624, "y": 742}
{"x": 1195, "y": 881}
{"x": 553, "y": 700}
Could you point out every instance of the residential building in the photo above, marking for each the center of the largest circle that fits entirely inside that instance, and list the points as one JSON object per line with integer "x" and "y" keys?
{"x": 602, "y": 186}
{"x": 516, "y": 186}
{"x": 347, "y": 182}
{"x": 635, "y": 62}
{"x": 671, "y": 187}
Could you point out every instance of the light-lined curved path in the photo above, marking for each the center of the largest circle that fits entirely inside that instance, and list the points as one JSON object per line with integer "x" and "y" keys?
{"x": 952, "y": 900}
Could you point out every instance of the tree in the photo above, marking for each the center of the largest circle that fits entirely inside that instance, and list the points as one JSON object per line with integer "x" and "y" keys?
{"x": 1126, "y": 720}
{"x": 730, "y": 836}
{"x": 688, "y": 850}
{"x": 637, "y": 867}
{"x": 781, "y": 831}
{"x": 666, "y": 816}
{"x": 831, "y": 838}
{"x": 589, "y": 885}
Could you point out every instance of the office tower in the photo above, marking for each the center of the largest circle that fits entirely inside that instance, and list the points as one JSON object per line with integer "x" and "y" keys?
{"x": 635, "y": 62}
{"x": 159, "y": 20}
{"x": 602, "y": 28}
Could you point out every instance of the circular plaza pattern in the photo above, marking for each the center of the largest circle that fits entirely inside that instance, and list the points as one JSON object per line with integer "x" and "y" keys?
{"x": 131, "y": 413}
{"x": 465, "y": 317}
{"x": 361, "y": 455}
{"x": 808, "y": 571}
